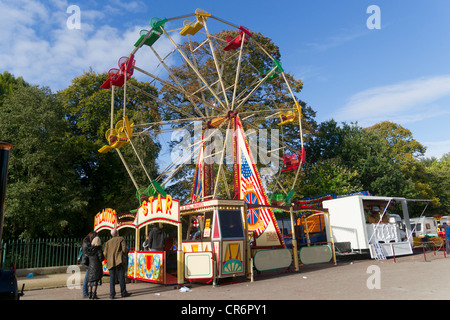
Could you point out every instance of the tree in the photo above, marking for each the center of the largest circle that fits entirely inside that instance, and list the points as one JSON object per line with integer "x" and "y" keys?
{"x": 326, "y": 142}
{"x": 404, "y": 151}
{"x": 44, "y": 197}
{"x": 104, "y": 177}
{"x": 329, "y": 176}
{"x": 362, "y": 151}
{"x": 8, "y": 83}
{"x": 439, "y": 180}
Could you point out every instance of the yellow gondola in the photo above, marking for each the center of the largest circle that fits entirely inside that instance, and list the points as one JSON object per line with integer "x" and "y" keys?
{"x": 194, "y": 27}
{"x": 287, "y": 117}
{"x": 117, "y": 137}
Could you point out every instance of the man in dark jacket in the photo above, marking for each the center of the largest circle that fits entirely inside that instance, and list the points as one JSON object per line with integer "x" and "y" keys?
{"x": 115, "y": 252}
{"x": 156, "y": 238}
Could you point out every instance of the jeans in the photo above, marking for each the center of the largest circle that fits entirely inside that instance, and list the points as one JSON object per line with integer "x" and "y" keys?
{"x": 117, "y": 272}
{"x": 85, "y": 284}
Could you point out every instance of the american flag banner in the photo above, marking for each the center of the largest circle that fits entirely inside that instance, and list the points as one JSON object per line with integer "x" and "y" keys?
{"x": 252, "y": 191}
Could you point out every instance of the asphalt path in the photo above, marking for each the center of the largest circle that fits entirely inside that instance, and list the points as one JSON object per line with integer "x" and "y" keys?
{"x": 415, "y": 277}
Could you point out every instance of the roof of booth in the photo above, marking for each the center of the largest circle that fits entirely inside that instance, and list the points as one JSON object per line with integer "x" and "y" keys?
{"x": 209, "y": 204}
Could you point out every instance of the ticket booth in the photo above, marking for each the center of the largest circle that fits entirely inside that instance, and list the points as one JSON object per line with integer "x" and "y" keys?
{"x": 214, "y": 242}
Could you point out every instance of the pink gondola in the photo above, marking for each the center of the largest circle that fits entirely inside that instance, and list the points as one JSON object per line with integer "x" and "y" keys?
{"x": 116, "y": 77}
{"x": 126, "y": 65}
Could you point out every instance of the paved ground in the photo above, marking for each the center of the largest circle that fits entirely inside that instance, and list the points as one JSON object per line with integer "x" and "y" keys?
{"x": 409, "y": 277}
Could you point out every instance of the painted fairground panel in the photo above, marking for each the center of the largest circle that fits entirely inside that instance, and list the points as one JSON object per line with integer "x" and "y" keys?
{"x": 150, "y": 266}
{"x": 105, "y": 269}
{"x": 232, "y": 234}
{"x": 232, "y": 257}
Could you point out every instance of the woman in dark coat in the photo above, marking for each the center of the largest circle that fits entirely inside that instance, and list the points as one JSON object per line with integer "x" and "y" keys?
{"x": 84, "y": 261}
{"x": 95, "y": 269}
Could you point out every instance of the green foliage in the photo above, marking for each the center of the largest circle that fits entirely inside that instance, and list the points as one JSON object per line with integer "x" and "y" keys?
{"x": 329, "y": 176}
{"x": 383, "y": 158}
{"x": 57, "y": 180}
{"x": 43, "y": 194}
{"x": 8, "y": 83}
{"x": 439, "y": 179}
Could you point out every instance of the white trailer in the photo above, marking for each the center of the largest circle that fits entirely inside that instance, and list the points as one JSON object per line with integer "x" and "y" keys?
{"x": 363, "y": 221}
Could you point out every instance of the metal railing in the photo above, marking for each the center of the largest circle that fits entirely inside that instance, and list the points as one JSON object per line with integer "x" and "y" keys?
{"x": 41, "y": 253}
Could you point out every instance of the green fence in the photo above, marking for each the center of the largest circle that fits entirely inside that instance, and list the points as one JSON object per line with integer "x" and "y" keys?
{"x": 41, "y": 253}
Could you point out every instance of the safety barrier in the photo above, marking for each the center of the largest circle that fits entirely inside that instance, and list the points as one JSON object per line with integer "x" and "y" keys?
{"x": 41, "y": 253}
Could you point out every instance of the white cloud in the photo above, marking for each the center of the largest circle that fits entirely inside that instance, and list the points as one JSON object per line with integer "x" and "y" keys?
{"x": 437, "y": 148}
{"x": 421, "y": 101}
{"x": 40, "y": 48}
{"x": 407, "y": 101}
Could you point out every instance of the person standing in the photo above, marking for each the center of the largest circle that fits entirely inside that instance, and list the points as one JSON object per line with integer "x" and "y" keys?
{"x": 84, "y": 260}
{"x": 156, "y": 238}
{"x": 115, "y": 252}
{"x": 447, "y": 239}
{"x": 95, "y": 256}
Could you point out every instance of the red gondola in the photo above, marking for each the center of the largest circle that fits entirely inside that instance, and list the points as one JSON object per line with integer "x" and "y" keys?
{"x": 293, "y": 161}
{"x": 234, "y": 43}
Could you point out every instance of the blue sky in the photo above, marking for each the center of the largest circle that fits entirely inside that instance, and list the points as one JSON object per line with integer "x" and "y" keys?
{"x": 399, "y": 73}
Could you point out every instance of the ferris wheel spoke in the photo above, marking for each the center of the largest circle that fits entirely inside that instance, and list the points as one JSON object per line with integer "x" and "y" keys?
{"x": 137, "y": 155}
{"x": 193, "y": 68}
{"x": 178, "y": 89}
{"x": 238, "y": 71}
{"x": 298, "y": 107}
{"x": 224, "y": 21}
{"x": 167, "y": 122}
{"x": 127, "y": 168}
{"x": 277, "y": 140}
{"x": 196, "y": 66}
{"x": 198, "y": 144}
{"x": 176, "y": 80}
{"x": 161, "y": 100}
{"x": 244, "y": 100}
{"x": 219, "y": 72}
{"x": 238, "y": 98}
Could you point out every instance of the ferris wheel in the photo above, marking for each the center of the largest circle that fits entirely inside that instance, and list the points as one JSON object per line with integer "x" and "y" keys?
{"x": 225, "y": 83}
